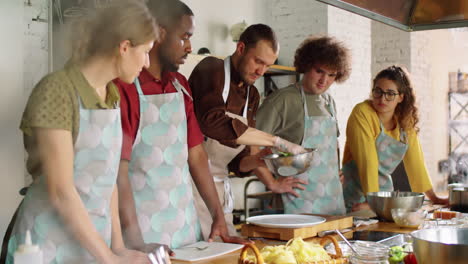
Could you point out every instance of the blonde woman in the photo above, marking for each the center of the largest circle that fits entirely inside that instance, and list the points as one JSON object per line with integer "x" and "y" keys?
{"x": 73, "y": 136}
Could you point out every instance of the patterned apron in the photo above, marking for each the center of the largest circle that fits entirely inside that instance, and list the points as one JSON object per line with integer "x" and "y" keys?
{"x": 159, "y": 172}
{"x": 219, "y": 157}
{"x": 390, "y": 153}
{"x": 96, "y": 162}
{"x": 323, "y": 194}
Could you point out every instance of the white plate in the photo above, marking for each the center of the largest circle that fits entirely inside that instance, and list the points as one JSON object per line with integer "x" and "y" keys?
{"x": 285, "y": 220}
{"x": 215, "y": 249}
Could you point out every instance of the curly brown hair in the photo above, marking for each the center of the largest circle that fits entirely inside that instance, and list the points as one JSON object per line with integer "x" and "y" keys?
{"x": 325, "y": 51}
{"x": 406, "y": 111}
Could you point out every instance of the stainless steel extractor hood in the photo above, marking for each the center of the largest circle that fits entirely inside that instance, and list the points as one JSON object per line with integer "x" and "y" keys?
{"x": 409, "y": 15}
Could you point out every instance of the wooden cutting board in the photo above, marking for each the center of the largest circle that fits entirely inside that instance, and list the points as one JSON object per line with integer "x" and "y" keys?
{"x": 332, "y": 222}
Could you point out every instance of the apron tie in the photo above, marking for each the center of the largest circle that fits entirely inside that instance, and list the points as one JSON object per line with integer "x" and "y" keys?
{"x": 228, "y": 194}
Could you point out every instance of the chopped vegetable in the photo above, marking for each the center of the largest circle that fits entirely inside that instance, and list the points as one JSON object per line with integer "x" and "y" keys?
{"x": 396, "y": 254}
{"x": 296, "y": 251}
{"x": 410, "y": 259}
{"x": 307, "y": 252}
{"x": 285, "y": 154}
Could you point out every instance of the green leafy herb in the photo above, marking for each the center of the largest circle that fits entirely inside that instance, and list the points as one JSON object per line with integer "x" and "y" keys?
{"x": 285, "y": 154}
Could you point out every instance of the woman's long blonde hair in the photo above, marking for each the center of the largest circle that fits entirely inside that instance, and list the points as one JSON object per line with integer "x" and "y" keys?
{"x": 99, "y": 32}
{"x": 406, "y": 112}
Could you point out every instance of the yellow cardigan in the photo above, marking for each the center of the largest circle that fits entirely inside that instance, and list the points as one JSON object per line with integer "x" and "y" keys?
{"x": 361, "y": 132}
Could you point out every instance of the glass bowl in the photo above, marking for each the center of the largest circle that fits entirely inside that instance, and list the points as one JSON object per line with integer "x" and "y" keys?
{"x": 411, "y": 218}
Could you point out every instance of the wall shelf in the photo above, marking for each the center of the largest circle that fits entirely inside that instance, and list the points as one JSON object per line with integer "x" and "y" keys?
{"x": 277, "y": 70}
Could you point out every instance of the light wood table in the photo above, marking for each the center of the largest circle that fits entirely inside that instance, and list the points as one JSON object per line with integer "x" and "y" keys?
{"x": 232, "y": 258}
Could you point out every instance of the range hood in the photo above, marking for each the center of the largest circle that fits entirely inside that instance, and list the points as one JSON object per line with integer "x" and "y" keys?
{"x": 409, "y": 15}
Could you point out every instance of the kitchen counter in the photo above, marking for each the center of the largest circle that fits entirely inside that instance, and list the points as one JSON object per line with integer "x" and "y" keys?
{"x": 233, "y": 257}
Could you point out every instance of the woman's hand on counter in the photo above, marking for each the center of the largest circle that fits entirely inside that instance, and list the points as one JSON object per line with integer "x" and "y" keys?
{"x": 287, "y": 185}
{"x": 436, "y": 199}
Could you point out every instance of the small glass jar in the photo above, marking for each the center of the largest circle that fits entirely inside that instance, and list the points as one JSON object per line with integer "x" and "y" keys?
{"x": 369, "y": 253}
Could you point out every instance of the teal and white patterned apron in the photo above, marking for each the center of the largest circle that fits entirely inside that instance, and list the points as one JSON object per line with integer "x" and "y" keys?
{"x": 219, "y": 157}
{"x": 159, "y": 172}
{"x": 323, "y": 194}
{"x": 390, "y": 153}
{"x": 95, "y": 166}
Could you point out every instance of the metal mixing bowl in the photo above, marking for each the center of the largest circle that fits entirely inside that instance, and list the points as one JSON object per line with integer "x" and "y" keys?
{"x": 383, "y": 202}
{"x": 291, "y": 165}
{"x": 441, "y": 245}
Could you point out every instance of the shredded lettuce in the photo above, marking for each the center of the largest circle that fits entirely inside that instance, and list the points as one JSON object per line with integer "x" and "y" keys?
{"x": 307, "y": 252}
{"x": 296, "y": 251}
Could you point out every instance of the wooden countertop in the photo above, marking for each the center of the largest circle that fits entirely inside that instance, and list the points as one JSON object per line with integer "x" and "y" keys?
{"x": 234, "y": 256}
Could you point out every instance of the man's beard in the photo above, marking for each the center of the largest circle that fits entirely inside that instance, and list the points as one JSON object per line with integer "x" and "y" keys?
{"x": 167, "y": 65}
{"x": 244, "y": 78}
{"x": 243, "y": 74}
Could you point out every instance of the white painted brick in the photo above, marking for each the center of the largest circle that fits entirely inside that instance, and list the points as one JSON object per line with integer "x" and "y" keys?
{"x": 35, "y": 44}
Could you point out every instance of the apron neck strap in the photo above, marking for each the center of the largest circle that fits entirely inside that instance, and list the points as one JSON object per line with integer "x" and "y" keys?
{"x": 403, "y": 138}
{"x": 180, "y": 88}
{"x": 227, "y": 85}
{"x": 304, "y": 101}
{"x": 138, "y": 86}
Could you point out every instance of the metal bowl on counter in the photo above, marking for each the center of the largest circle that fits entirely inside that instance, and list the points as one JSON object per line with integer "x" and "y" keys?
{"x": 383, "y": 202}
{"x": 289, "y": 165}
{"x": 458, "y": 197}
{"x": 441, "y": 245}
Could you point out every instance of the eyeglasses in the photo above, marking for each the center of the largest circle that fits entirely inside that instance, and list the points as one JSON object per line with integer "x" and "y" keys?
{"x": 389, "y": 96}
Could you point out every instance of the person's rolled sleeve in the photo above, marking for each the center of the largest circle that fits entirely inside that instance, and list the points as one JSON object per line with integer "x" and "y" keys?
{"x": 207, "y": 82}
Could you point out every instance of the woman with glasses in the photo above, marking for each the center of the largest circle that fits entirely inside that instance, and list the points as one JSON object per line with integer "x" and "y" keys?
{"x": 382, "y": 132}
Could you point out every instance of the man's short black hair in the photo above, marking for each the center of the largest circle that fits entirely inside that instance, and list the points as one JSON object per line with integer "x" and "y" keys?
{"x": 169, "y": 12}
{"x": 255, "y": 33}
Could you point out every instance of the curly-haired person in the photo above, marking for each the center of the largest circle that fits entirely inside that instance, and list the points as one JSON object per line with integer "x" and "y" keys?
{"x": 305, "y": 114}
{"x": 382, "y": 132}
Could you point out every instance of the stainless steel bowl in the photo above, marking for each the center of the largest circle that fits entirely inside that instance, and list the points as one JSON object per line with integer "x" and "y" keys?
{"x": 441, "y": 245}
{"x": 458, "y": 197}
{"x": 291, "y": 165}
{"x": 383, "y": 202}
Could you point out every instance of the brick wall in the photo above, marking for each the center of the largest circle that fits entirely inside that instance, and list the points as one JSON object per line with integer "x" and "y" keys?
{"x": 420, "y": 73}
{"x": 389, "y": 46}
{"x": 354, "y": 31}
{"x": 35, "y": 48}
{"x": 293, "y": 21}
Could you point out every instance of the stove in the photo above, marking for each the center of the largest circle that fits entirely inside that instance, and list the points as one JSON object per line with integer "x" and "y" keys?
{"x": 375, "y": 236}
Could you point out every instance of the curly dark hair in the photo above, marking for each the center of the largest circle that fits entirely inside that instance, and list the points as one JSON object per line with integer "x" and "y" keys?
{"x": 406, "y": 111}
{"x": 326, "y": 51}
